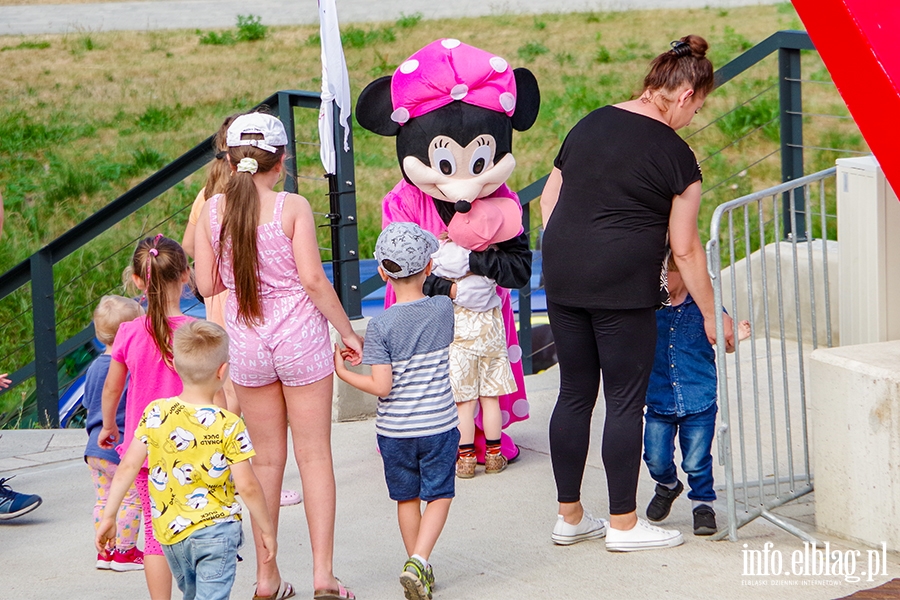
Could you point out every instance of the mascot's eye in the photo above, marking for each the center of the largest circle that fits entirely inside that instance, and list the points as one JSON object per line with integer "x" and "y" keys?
{"x": 443, "y": 160}
{"x": 480, "y": 160}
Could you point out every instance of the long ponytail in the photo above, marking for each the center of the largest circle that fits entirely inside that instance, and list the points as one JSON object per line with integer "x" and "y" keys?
{"x": 240, "y": 220}
{"x": 159, "y": 262}
{"x": 219, "y": 170}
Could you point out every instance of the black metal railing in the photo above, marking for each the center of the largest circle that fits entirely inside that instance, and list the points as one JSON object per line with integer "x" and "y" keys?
{"x": 38, "y": 268}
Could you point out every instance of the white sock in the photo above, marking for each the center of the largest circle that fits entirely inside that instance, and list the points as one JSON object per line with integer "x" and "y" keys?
{"x": 420, "y": 559}
{"x": 696, "y": 503}
{"x": 671, "y": 486}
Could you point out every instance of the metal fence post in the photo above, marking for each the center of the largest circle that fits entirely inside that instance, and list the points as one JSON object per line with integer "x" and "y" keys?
{"x": 44, "y": 317}
{"x": 525, "y": 338}
{"x": 791, "y": 113}
{"x": 286, "y": 116}
{"x": 344, "y": 231}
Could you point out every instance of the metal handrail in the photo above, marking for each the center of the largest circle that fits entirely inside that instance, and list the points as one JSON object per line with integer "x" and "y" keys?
{"x": 38, "y": 268}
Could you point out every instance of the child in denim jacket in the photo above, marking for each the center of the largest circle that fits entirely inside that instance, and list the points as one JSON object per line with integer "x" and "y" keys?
{"x": 681, "y": 399}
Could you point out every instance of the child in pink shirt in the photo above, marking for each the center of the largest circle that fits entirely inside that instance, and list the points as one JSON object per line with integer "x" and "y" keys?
{"x": 143, "y": 350}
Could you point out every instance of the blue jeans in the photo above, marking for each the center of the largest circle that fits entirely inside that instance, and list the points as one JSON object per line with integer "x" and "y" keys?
{"x": 695, "y": 435}
{"x": 205, "y": 563}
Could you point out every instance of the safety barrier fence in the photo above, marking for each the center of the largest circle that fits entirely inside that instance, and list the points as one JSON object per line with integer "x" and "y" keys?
{"x": 784, "y": 287}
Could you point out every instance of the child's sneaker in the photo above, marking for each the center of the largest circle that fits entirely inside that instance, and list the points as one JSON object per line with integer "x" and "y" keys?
{"x": 494, "y": 463}
{"x": 565, "y": 534}
{"x": 414, "y": 580}
{"x": 429, "y": 577}
{"x": 642, "y": 536}
{"x": 465, "y": 467}
{"x": 661, "y": 504}
{"x": 15, "y": 504}
{"x": 130, "y": 560}
{"x": 705, "y": 520}
{"x": 104, "y": 559}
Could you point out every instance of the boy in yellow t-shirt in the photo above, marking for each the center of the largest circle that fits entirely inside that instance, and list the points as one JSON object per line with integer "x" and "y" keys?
{"x": 197, "y": 453}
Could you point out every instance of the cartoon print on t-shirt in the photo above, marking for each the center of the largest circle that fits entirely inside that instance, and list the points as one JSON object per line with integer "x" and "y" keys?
{"x": 205, "y": 416}
{"x": 183, "y": 472}
{"x": 241, "y": 444}
{"x": 158, "y": 476}
{"x": 197, "y": 498}
{"x": 155, "y": 511}
{"x": 217, "y": 465}
{"x": 179, "y": 524}
{"x": 153, "y": 419}
{"x": 179, "y": 440}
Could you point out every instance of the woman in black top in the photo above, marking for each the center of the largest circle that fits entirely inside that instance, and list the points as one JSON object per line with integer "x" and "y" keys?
{"x": 623, "y": 179}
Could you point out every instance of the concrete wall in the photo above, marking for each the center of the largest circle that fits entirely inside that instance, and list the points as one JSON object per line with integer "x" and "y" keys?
{"x": 761, "y": 296}
{"x": 854, "y": 409}
{"x": 349, "y": 403}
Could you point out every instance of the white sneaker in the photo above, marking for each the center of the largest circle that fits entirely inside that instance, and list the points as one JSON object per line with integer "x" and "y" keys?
{"x": 589, "y": 528}
{"x": 642, "y": 536}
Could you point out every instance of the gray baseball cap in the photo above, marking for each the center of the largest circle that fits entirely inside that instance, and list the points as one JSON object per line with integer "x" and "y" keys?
{"x": 408, "y": 246}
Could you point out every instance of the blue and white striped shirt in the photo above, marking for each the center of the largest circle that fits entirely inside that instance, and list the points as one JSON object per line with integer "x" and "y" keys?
{"x": 414, "y": 338}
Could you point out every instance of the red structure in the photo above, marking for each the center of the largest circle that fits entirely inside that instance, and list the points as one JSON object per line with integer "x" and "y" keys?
{"x": 858, "y": 41}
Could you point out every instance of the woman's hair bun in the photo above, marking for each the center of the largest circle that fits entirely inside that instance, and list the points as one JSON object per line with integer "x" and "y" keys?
{"x": 690, "y": 45}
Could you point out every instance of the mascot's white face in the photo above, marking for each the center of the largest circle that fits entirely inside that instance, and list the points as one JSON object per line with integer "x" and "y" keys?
{"x": 460, "y": 172}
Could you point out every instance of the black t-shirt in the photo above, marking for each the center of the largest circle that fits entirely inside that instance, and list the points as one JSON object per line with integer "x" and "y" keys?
{"x": 605, "y": 242}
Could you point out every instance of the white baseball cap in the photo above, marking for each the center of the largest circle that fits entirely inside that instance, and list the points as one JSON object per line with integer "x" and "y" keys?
{"x": 266, "y": 125}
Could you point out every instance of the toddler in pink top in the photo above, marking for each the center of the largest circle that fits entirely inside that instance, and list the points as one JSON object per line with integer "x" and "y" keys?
{"x": 143, "y": 350}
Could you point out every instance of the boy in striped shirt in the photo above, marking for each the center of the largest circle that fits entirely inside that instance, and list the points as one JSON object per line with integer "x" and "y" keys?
{"x": 407, "y": 347}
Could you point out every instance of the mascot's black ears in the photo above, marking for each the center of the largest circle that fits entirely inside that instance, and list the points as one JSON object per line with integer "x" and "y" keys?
{"x": 374, "y": 106}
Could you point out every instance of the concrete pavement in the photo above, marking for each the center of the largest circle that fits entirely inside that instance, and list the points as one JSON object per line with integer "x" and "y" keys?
{"x": 211, "y": 14}
{"x": 496, "y": 543}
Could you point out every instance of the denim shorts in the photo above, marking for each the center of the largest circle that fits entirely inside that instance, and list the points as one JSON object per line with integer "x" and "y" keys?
{"x": 204, "y": 564}
{"x": 420, "y": 467}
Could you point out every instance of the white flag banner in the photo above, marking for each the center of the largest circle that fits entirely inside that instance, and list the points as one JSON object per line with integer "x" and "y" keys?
{"x": 335, "y": 85}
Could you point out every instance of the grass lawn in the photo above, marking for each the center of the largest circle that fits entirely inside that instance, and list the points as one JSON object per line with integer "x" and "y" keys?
{"x": 84, "y": 116}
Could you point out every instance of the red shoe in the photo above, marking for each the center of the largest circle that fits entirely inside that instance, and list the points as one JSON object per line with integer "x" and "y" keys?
{"x": 130, "y": 560}
{"x": 104, "y": 560}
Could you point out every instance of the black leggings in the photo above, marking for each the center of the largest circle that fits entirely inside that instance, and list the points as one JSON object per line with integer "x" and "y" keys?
{"x": 622, "y": 343}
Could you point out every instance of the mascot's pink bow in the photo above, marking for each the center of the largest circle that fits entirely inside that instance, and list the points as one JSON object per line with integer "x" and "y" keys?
{"x": 448, "y": 70}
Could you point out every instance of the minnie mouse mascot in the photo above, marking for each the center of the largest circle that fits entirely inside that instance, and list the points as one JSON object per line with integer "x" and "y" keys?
{"x": 453, "y": 108}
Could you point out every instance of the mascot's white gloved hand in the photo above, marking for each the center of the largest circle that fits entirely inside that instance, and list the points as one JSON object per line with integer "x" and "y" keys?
{"x": 477, "y": 293}
{"x": 451, "y": 261}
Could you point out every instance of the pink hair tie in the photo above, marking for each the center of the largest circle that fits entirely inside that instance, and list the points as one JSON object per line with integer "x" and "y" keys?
{"x": 448, "y": 70}
{"x": 154, "y": 251}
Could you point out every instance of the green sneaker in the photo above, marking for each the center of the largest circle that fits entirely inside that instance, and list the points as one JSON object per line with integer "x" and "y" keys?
{"x": 429, "y": 577}
{"x": 416, "y": 580}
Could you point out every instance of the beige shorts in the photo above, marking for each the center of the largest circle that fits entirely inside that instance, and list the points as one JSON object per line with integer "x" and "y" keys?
{"x": 473, "y": 376}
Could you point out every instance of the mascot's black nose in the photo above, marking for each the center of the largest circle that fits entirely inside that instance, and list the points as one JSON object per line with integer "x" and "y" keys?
{"x": 462, "y": 206}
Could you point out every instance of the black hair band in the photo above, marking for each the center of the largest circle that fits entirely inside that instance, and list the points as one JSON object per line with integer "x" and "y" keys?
{"x": 680, "y": 48}
{"x": 221, "y": 154}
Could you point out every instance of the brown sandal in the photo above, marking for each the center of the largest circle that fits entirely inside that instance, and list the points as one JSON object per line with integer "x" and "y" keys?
{"x": 284, "y": 591}
{"x": 341, "y": 593}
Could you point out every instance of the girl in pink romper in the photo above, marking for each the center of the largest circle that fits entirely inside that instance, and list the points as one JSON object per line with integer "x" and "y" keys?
{"x": 261, "y": 246}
